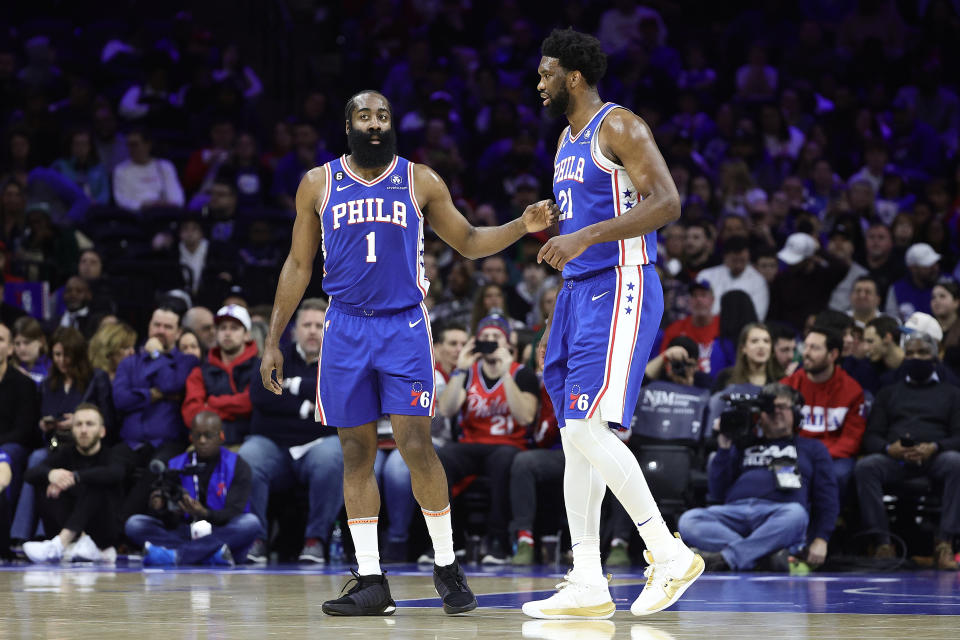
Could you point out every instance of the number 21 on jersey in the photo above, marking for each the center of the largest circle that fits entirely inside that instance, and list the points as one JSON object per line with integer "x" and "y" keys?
{"x": 565, "y": 203}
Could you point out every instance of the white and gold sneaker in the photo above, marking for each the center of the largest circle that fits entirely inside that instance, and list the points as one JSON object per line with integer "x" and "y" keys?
{"x": 666, "y": 581}
{"x": 574, "y": 600}
{"x": 569, "y": 629}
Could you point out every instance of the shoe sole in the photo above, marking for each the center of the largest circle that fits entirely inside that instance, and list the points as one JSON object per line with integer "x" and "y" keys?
{"x": 389, "y": 610}
{"x": 596, "y": 612}
{"x": 312, "y": 559}
{"x": 676, "y": 596}
{"x": 455, "y": 610}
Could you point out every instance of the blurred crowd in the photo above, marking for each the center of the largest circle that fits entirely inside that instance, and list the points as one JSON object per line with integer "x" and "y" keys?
{"x": 147, "y": 181}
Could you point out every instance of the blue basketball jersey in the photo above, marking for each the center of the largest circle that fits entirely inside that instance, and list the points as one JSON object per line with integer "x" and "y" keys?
{"x": 372, "y": 238}
{"x": 590, "y": 188}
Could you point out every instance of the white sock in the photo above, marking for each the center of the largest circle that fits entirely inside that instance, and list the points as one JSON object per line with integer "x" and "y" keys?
{"x": 583, "y": 490}
{"x": 620, "y": 470}
{"x": 364, "y": 533}
{"x": 441, "y": 533}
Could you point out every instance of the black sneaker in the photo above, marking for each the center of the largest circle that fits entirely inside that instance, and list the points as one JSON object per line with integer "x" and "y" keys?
{"x": 369, "y": 596}
{"x": 451, "y": 584}
{"x": 258, "y": 552}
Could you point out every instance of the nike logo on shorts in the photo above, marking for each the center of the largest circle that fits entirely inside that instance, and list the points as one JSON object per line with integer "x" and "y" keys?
{"x": 413, "y": 324}
{"x": 600, "y": 296}
{"x": 341, "y": 187}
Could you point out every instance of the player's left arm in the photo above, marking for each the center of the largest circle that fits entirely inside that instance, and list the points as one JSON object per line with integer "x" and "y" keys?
{"x": 626, "y": 139}
{"x": 434, "y": 199}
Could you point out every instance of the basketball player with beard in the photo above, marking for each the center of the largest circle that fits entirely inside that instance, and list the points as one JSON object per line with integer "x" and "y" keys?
{"x": 367, "y": 211}
{"x": 614, "y": 191}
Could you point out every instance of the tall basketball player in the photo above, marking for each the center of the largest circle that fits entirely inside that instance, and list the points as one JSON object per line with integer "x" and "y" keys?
{"x": 367, "y": 211}
{"x": 614, "y": 191}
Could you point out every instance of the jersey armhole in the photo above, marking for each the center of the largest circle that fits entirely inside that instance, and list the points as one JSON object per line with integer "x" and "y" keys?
{"x": 413, "y": 190}
{"x": 602, "y": 161}
{"x": 327, "y": 189}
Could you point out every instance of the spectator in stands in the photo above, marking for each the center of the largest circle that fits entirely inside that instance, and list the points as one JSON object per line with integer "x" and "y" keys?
{"x": 881, "y": 339}
{"x": 944, "y": 304}
{"x": 736, "y": 273}
{"x": 147, "y": 391}
{"x": 496, "y": 399}
{"x": 698, "y": 246}
{"x": 110, "y": 345}
{"x": 46, "y": 251}
{"x": 778, "y": 492}
{"x": 702, "y": 325}
{"x": 189, "y": 343}
{"x": 784, "y": 347}
{"x": 142, "y": 181}
{"x": 736, "y": 311}
{"x": 90, "y": 268}
{"x": 913, "y": 431}
{"x": 82, "y": 484}
{"x": 875, "y": 157}
{"x": 755, "y": 363}
{"x": 678, "y": 364}
{"x": 494, "y": 271}
{"x": 222, "y": 383}
{"x": 110, "y": 146}
{"x": 19, "y": 413}
{"x": 83, "y": 168}
{"x": 30, "y": 349}
{"x": 204, "y": 164}
{"x": 204, "y": 264}
{"x": 882, "y": 262}
{"x": 841, "y": 249}
{"x": 286, "y": 447}
{"x": 864, "y": 300}
{"x": 833, "y": 410}
{"x": 912, "y": 292}
{"x": 249, "y": 179}
{"x": 80, "y": 313}
{"x": 200, "y": 321}
{"x": 804, "y": 287}
{"x": 308, "y": 152}
{"x": 212, "y": 524}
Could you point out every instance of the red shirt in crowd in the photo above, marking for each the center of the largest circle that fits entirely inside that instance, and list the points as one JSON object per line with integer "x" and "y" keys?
{"x": 833, "y": 411}
{"x": 703, "y": 336}
{"x": 485, "y": 417}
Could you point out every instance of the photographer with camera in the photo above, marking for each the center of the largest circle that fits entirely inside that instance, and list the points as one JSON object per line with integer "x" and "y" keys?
{"x": 83, "y": 485}
{"x": 678, "y": 364}
{"x": 497, "y": 399}
{"x": 199, "y": 509}
{"x": 778, "y": 489}
{"x": 913, "y": 431}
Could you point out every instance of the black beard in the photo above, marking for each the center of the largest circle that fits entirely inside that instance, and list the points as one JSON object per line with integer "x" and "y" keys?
{"x": 559, "y": 103}
{"x": 367, "y": 155}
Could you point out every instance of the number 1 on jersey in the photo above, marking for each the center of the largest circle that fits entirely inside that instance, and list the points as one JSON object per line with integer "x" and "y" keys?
{"x": 371, "y": 247}
{"x": 565, "y": 203}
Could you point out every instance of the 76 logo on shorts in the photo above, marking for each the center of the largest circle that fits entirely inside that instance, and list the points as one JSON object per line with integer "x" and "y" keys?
{"x": 579, "y": 401}
{"x": 420, "y": 397}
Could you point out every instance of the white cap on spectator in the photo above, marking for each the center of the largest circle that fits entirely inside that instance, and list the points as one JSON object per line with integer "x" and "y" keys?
{"x": 922, "y": 255}
{"x": 798, "y": 248}
{"x": 234, "y": 312}
{"x": 921, "y": 322}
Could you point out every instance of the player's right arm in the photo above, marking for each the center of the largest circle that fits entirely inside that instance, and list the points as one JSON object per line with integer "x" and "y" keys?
{"x": 474, "y": 242}
{"x": 295, "y": 275}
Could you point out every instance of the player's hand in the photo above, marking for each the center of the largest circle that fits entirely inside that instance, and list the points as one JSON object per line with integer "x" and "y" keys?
{"x": 467, "y": 355}
{"x": 559, "y": 250}
{"x": 540, "y": 215}
{"x": 272, "y": 360}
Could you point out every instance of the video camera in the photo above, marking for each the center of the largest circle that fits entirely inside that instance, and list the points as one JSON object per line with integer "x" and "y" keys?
{"x": 167, "y": 482}
{"x": 739, "y": 420}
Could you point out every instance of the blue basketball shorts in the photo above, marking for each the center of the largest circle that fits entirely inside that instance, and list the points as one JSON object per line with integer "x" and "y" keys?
{"x": 600, "y": 339}
{"x": 374, "y": 365}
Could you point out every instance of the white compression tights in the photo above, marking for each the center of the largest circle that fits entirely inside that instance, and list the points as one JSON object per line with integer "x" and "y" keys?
{"x": 596, "y": 459}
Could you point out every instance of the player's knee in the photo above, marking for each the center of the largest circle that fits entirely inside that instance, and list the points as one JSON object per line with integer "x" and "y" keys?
{"x": 580, "y": 432}
{"x": 357, "y": 456}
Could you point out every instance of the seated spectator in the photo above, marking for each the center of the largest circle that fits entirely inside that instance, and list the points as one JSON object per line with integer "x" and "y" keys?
{"x": 46, "y": 252}
{"x": 19, "y": 414}
{"x": 82, "y": 485}
{"x": 308, "y": 151}
{"x": 80, "y": 313}
{"x": 30, "y": 349}
{"x": 222, "y": 383}
{"x": 678, "y": 364}
{"x": 913, "y": 431}
{"x": 698, "y": 248}
{"x": 755, "y": 363}
{"x": 944, "y": 304}
{"x": 804, "y": 287}
{"x": 110, "y": 145}
{"x": 784, "y": 347}
{"x": 188, "y": 343}
{"x": 864, "y": 300}
{"x": 494, "y": 271}
{"x": 701, "y": 325}
{"x": 841, "y": 249}
{"x": 496, "y": 399}
{"x": 777, "y": 492}
{"x": 110, "y": 345}
{"x": 736, "y": 311}
{"x": 83, "y": 167}
{"x": 287, "y": 447}
{"x": 147, "y": 391}
{"x": 249, "y": 179}
{"x": 220, "y": 213}
{"x": 491, "y": 299}
{"x": 143, "y": 181}
{"x": 881, "y": 339}
{"x": 200, "y": 321}
{"x": 833, "y": 410}
{"x": 736, "y": 273}
{"x": 913, "y": 291}
{"x": 204, "y": 163}
{"x": 206, "y": 265}
{"x": 212, "y": 523}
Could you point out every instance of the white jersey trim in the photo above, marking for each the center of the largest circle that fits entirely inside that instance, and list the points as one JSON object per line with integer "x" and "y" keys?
{"x": 369, "y": 183}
